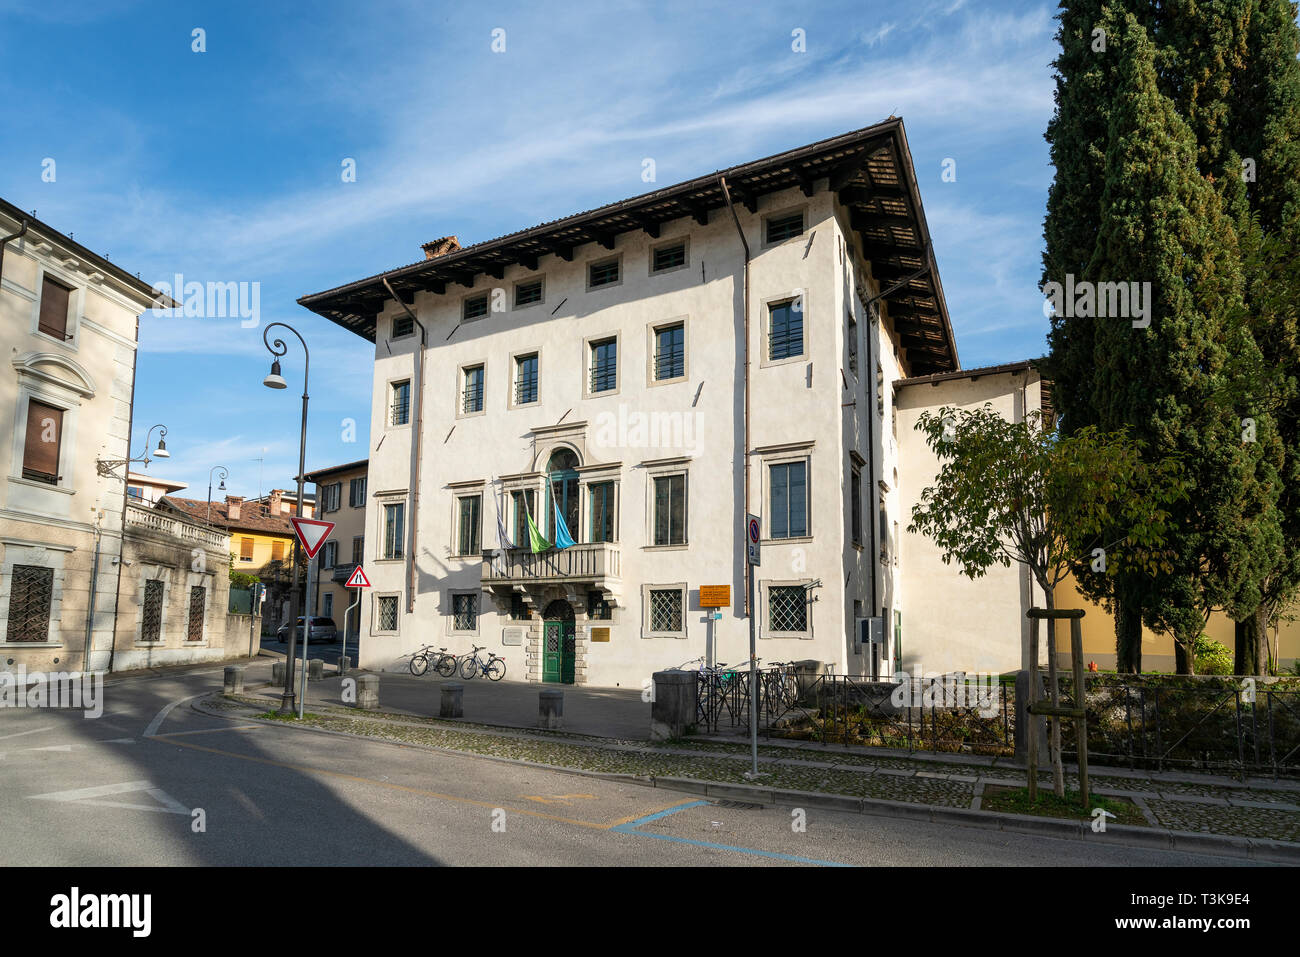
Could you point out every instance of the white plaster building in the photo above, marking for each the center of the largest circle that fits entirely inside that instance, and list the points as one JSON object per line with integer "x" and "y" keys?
{"x": 662, "y": 366}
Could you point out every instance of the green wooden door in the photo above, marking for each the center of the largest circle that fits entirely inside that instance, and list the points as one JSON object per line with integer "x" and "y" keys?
{"x": 558, "y": 643}
{"x": 552, "y": 645}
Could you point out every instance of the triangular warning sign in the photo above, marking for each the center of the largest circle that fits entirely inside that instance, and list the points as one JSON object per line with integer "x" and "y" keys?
{"x": 311, "y": 533}
{"x": 357, "y": 579}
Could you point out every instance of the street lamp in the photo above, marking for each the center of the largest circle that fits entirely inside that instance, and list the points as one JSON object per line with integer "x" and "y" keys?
{"x": 276, "y": 381}
{"x": 105, "y": 467}
{"x": 220, "y": 488}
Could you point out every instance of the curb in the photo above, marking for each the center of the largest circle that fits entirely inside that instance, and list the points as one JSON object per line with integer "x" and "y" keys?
{"x": 1188, "y": 842}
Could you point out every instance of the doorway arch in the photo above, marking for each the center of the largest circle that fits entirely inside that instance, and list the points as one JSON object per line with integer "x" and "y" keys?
{"x": 559, "y": 644}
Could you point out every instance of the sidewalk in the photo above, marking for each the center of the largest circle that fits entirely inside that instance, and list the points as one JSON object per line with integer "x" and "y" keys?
{"x": 1235, "y": 816}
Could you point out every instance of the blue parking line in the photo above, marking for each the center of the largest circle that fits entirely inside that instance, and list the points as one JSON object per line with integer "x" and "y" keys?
{"x": 631, "y": 828}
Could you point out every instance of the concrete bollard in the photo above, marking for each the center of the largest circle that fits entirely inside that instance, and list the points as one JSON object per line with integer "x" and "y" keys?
{"x": 234, "y": 679}
{"x": 368, "y": 692}
{"x": 452, "y": 704}
{"x": 315, "y": 669}
{"x": 673, "y": 710}
{"x": 277, "y": 674}
{"x": 344, "y": 664}
{"x": 550, "y": 708}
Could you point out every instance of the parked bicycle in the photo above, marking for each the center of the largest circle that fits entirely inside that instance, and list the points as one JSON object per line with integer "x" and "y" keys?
{"x": 442, "y": 662}
{"x": 472, "y": 665}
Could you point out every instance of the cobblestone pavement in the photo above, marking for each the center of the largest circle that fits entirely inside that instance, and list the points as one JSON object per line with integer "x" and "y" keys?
{"x": 1269, "y": 811}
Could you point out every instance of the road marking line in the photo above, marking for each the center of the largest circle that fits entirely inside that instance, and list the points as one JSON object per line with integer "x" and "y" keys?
{"x": 161, "y": 716}
{"x": 169, "y": 805}
{"x": 630, "y": 828}
{"x": 19, "y": 734}
{"x": 556, "y": 798}
{"x": 177, "y": 734}
{"x": 64, "y": 748}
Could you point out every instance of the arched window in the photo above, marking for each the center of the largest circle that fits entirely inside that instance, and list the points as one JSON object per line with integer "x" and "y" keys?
{"x": 562, "y": 475}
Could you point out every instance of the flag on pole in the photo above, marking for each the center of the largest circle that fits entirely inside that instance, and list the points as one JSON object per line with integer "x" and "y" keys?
{"x": 562, "y": 537}
{"x": 503, "y": 537}
{"x": 536, "y": 540}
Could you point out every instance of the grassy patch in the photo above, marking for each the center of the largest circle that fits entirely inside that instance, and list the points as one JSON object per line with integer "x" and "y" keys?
{"x": 1016, "y": 801}
{"x": 277, "y": 716}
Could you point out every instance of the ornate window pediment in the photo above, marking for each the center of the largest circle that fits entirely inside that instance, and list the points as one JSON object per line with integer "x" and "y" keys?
{"x": 56, "y": 370}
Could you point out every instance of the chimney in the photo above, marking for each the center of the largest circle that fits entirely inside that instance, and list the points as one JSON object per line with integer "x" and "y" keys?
{"x": 275, "y": 500}
{"x": 233, "y": 503}
{"x": 440, "y": 247}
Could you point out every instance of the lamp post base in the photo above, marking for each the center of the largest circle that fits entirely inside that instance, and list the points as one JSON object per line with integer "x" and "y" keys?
{"x": 287, "y": 704}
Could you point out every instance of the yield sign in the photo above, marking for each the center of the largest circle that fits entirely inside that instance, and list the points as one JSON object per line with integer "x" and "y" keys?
{"x": 357, "y": 579}
{"x": 311, "y": 533}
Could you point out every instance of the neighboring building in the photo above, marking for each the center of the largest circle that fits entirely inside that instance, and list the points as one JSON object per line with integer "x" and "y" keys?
{"x": 603, "y": 367}
{"x": 147, "y": 490}
{"x": 69, "y": 319}
{"x": 341, "y": 492}
{"x": 286, "y": 501}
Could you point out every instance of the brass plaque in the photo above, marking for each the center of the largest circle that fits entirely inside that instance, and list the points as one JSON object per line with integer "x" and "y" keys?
{"x": 715, "y": 596}
{"x": 600, "y": 634}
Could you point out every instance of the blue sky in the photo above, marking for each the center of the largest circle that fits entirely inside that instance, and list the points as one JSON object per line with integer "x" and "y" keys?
{"x": 225, "y": 165}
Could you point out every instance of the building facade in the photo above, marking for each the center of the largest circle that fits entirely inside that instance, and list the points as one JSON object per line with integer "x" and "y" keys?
{"x": 636, "y": 380}
{"x": 341, "y": 492}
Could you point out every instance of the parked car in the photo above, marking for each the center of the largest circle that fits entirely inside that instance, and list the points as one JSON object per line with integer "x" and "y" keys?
{"x": 322, "y": 629}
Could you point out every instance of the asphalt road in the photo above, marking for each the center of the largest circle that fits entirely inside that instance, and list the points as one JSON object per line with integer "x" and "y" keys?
{"x": 133, "y": 786}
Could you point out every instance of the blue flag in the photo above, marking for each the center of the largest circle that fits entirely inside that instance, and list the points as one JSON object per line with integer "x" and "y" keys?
{"x": 562, "y": 537}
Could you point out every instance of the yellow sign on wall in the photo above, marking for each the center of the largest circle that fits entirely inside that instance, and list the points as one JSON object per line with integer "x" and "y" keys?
{"x": 715, "y": 596}
{"x": 600, "y": 634}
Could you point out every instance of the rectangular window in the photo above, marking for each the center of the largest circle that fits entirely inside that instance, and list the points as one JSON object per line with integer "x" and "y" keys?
{"x": 526, "y": 379}
{"x": 855, "y": 505}
{"x": 604, "y": 365}
{"x": 781, "y": 228}
{"x": 785, "y": 330}
{"x": 357, "y": 493}
{"x": 386, "y": 613}
{"x": 331, "y": 496}
{"x": 394, "y": 523}
{"x": 602, "y": 512}
{"x": 403, "y": 325}
{"x": 327, "y": 607}
{"x": 527, "y": 293}
{"x": 475, "y": 307}
{"x": 358, "y": 550}
{"x": 31, "y": 598}
{"x": 669, "y": 257}
{"x": 602, "y": 273}
{"x": 787, "y": 608}
{"x": 598, "y": 608}
{"x": 401, "y": 402}
{"x": 851, "y": 334}
{"x": 665, "y": 610}
{"x": 245, "y": 549}
{"x": 151, "y": 613}
{"x": 198, "y": 598}
{"x": 329, "y": 555}
{"x": 42, "y": 443}
{"x": 277, "y": 551}
{"x": 470, "y": 511}
{"x": 464, "y": 612}
{"x": 789, "y": 500}
{"x": 670, "y": 352}
{"x": 54, "y": 309}
{"x": 472, "y": 390}
{"x": 519, "y": 608}
{"x": 525, "y": 505}
{"x": 670, "y": 510}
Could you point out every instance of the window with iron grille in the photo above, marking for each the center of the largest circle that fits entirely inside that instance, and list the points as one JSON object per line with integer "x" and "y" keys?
{"x": 665, "y": 610}
{"x": 781, "y": 228}
{"x": 519, "y": 608}
{"x": 669, "y": 257}
{"x": 526, "y": 379}
{"x": 31, "y": 598}
{"x": 527, "y": 293}
{"x": 403, "y": 325}
{"x": 670, "y": 509}
{"x": 598, "y": 607}
{"x": 785, "y": 330}
{"x": 401, "y": 402}
{"x": 386, "y": 613}
{"x": 198, "y": 599}
{"x": 604, "y": 365}
{"x": 394, "y": 528}
{"x": 464, "y": 612}
{"x": 602, "y": 273}
{"x": 475, "y": 307}
{"x": 851, "y": 334}
{"x": 151, "y": 613}
{"x": 789, "y": 487}
{"x": 787, "y": 608}
{"x": 358, "y": 549}
{"x": 472, "y": 393}
{"x": 470, "y": 512}
{"x": 670, "y": 352}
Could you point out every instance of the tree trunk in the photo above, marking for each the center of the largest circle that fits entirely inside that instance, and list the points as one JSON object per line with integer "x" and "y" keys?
{"x": 1128, "y": 635}
{"x": 1244, "y": 650}
{"x": 1054, "y": 744}
{"x": 1184, "y": 661}
{"x": 1261, "y": 641}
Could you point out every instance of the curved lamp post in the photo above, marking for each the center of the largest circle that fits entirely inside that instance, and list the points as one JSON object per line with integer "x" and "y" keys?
{"x": 274, "y": 380}
{"x": 106, "y": 466}
{"x": 221, "y": 488}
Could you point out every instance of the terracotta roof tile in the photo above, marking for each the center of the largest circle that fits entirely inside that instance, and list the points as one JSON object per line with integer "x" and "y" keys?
{"x": 251, "y": 518}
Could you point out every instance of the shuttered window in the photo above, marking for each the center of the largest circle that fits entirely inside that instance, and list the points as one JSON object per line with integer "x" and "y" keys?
{"x": 245, "y": 549}
{"x": 54, "y": 309}
{"x": 277, "y": 551}
{"x": 41, "y": 448}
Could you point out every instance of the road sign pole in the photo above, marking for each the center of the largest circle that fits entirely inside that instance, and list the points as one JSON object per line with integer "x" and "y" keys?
{"x": 306, "y": 637}
{"x": 753, "y": 679}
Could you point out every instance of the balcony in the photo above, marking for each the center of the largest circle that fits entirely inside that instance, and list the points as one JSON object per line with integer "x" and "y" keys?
{"x": 166, "y": 524}
{"x": 342, "y": 572}
{"x": 596, "y": 562}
